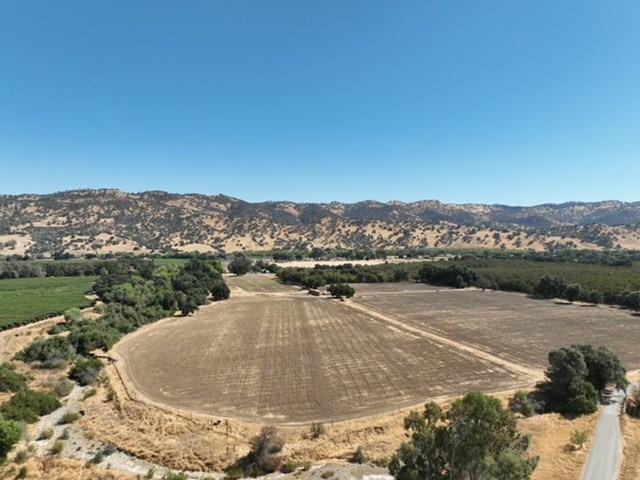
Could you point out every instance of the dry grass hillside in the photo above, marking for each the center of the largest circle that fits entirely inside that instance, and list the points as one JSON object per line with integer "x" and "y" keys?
{"x": 103, "y": 221}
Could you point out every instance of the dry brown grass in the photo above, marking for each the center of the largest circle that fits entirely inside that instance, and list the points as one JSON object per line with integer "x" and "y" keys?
{"x": 65, "y": 469}
{"x": 551, "y": 439}
{"x": 630, "y": 469}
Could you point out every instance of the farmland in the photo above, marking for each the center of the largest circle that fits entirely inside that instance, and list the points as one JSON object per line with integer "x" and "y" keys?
{"x": 27, "y": 299}
{"x": 276, "y": 355}
{"x": 296, "y": 359}
{"x": 509, "y": 325}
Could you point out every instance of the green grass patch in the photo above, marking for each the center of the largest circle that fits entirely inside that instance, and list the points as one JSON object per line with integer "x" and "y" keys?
{"x": 26, "y": 300}
{"x": 170, "y": 261}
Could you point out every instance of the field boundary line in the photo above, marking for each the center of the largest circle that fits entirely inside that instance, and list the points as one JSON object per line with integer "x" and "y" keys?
{"x": 535, "y": 373}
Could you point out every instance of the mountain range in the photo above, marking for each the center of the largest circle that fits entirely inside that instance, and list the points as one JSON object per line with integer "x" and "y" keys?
{"x": 109, "y": 220}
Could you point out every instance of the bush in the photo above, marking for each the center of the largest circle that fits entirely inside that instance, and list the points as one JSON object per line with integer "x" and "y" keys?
{"x": 87, "y": 337}
{"x": 579, "y": 438}
{"x": 28, "y": 406}
{"x": 57, "y": 448}
{"x": 54, "y": 352}
{"x": 359, "y": 456}
{"x": 289, "y": 466}
{"x": 239, "y": 265}
{"x": 317, "y": 430}
{"x": 69, "y": 417}
{"x": 340, "y": 290}
{"x": 63, "y": 388}
{"x": 86, "y": 371}
{"x": 265, "y": 449}
{"x": 10, "y": 380}
{"x": 73, "y": 315}
{"x": 10, "y": 433}
{"x": 45, "y": 434}
{"x": 522, "y": 404}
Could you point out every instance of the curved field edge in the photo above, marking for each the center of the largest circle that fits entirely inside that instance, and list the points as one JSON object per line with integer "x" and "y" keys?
{"x": 304, "y": 360}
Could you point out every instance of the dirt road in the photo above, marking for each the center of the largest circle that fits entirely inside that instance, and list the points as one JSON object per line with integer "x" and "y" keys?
{"x": 605, "y": 456}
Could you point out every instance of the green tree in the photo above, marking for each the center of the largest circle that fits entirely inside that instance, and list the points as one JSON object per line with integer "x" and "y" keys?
{"x": 476, "y": 439}
{"x": 573, "y": 292}
{"x": 340, "y": 290}
{"x": 10, "y": 433}
{"x": 239, "y": 265}
{"x": 551, "y": 287}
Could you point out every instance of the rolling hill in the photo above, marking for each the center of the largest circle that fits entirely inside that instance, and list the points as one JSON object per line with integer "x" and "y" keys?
{"x": 108, "y": 220}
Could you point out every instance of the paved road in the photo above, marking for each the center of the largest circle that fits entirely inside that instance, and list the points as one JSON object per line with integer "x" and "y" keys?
{"x": 605, "y": 456}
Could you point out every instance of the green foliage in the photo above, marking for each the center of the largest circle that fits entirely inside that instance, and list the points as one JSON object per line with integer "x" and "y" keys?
{"x": 57, "y": 448}
{"x": 89, "y": 336}
{"x": 457, "y": 276}
{"x": 551, "y": 287}
{"x": 10, "y": 380}
{"x": 10, "y": 433}
{"x": 86, "y": 371}
{"x": 476, "y": 438}
{"x": 521, "y": 403}
{"x": 240, "y": 265}
{"x": 28, "y": 406}
{"x": 46, "y": 434}
{"x": 340, "y": 290}
{"x": 73, "y": 315}
{"x": 316, "y": 430}
{"x": 575, "y": 376}
{"x": 26, "y": 300}
{"x": 579, "y": 438}
{"x": 63, "y": 388}
{"x": 573, "y": 292}
{"x": 54, "y": 352}
{"x": 69, "y": 417}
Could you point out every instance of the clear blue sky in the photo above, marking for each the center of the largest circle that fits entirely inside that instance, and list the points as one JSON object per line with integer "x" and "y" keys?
{"x": 511, "y": 101}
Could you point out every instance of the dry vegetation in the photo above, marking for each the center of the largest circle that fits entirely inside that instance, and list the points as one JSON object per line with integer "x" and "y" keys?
{"x": 551, "y": 441}
{"x": 103, "y": 221}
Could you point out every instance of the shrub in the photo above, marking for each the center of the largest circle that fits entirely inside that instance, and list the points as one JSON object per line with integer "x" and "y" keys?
{"x": 89, "y": 393}
{"x": 54, "y": 352}
{"x": 64, "y": 435}
{"x": 579, "y": 438}
{"x": 69, "y": 417}
{"x": 10, "y": 380}
{"x": 21, "y": 456}
{"x": 340, "y": 290}
{"x": 57, "y": 448}
{"x": 239, "y": 265}
{"x": 289, "y": 466}
{"x": 265, "y": 449}
{"x": 63, "y": 388}
{"x": 45, "y": 434}
{"x": 23, "y": 472}
{"x": 359, "y": 456}
{"x": 87, "y": 337}
{"x": 86, "y": 371}
{"x": 317, "y": 430}
{"x": 10, "y": 433}
{"x": 73, "y": 315}
{"x": 522, "y": 404}
{"x": 28, "y": 406}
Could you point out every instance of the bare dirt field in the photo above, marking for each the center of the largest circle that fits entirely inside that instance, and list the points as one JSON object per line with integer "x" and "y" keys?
{"x": 508, "y": 325}
{"x": 296, "y": 359}
{"x": 258, "y": 283}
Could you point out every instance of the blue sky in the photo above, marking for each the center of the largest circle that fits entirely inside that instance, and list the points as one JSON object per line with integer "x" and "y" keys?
{"x": 516, "y": 102}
